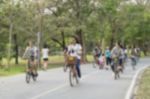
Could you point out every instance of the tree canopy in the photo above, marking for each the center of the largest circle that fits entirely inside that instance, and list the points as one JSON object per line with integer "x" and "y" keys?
{"x": 91, "y": 21}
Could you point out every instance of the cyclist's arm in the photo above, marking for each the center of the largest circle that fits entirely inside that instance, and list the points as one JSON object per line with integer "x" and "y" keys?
{"x": 25, "y": 52}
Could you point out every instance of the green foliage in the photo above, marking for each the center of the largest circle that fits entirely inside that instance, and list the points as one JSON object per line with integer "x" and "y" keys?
{"x": 99, "y": 20}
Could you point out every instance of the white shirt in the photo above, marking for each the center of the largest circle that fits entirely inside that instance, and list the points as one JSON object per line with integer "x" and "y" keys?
{"x": 71, "y": 50}
{"x": 78, "y": 50}
{"x": 45, "y": 52}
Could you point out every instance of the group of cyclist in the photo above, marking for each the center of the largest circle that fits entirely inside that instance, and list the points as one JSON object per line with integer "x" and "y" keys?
{"x": 116, "y": 56}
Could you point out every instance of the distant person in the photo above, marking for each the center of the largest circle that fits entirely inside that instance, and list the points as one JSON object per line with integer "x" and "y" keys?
{"x": 108, "y": 56}
{"x": 133, "y": 57}
{"x": 96, "y": 55}
{"x": 45, "y": 56}
{"x": 102, "y": 61}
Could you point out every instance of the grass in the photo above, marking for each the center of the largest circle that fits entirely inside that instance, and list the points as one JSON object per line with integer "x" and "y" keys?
{"x": 55, "y": 61}
{"x": 13, "y": 70}
{"x": 143, "y": 91}
{"x": 21, "y": 68}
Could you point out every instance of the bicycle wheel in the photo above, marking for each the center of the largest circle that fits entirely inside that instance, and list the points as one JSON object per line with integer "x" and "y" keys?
{"x": 116, "y": 71}
{"x": 28, "y": 76}
{"x": 117, "y": 75}
{"x": 34, "y": 77}
{"x": 73, "y": 79}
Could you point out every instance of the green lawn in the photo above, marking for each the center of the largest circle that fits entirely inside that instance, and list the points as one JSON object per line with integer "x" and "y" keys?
{"x": 55, "y": 61}
{"x": 21, "y": 68}
{"x": 13, "y": 70}
{"x": 144, "y": 86}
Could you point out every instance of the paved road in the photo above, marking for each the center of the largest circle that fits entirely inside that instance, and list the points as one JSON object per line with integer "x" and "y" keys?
{"x": 54, "y": 84}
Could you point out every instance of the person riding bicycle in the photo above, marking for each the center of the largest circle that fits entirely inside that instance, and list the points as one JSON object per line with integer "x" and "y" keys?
{"x": 115, "y": 55}
{"x": 96, "y": 55}
{"x": 133, "y": 56}
{"x": 70, "y": 55}
{"x": 30, "y": 55}
{"x": 138, "y": 52}
{"x": 75, "y": 50}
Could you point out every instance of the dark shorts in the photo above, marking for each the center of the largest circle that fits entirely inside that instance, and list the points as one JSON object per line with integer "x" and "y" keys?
{"x": 120, "y": 62}
{"x": 45, "y": 59}
{"x": 108, "y": 60}
{"x": 30, "y": 61}
{"x": 32, "y": 58}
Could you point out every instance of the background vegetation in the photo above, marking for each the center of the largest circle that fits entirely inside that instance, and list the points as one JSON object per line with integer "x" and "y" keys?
{"x": 101, "y": 22}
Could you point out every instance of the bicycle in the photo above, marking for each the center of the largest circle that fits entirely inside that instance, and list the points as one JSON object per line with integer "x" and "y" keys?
{"x": 30, "y": 72}
{"x": 73, "y": 76}
{"x": 115, "y": 68}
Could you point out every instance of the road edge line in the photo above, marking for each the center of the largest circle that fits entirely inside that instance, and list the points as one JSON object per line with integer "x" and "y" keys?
{"x": 133, "y": 83}
{"x": 61, "y": 86}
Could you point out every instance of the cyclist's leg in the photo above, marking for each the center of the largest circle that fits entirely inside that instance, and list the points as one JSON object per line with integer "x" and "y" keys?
{"x": 78, "y": 67}
{"x": 107, "y": 61}
{"x": 65, "y": 63}
{"x": 120, "y": 64}
{"x": 28, "y": 68}
{"x": 35, "y": 67}
{"x": 45, "y": 63}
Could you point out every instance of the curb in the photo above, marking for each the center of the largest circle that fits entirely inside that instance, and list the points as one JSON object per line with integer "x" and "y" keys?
{"x": 131, "y": 93}
{"x": 136, "y": 87}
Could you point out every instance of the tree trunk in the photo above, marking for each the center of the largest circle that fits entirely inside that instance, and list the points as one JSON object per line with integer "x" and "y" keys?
{"x": 63, "y": 40}
{"x": 112, "y": 42}
{"x": 16, "y": 48}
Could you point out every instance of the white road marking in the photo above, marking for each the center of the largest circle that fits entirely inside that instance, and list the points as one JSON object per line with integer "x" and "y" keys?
{"x": 60, "y": 87}
{"x": 131, "y": 87}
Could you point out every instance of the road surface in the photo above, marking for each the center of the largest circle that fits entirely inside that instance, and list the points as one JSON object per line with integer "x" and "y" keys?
{"x": 54, "y": 84}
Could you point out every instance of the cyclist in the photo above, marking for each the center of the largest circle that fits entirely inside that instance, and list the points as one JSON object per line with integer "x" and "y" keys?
{"x": 96, "y": 55}
{"x": 133, "y": 56}
{"x": 75, "y": 50}
{"x": 137, "y": 50}
{"x": 115, "y": 55}
{"x": 69, "y": 55}
{"x": 30, "y": 56}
